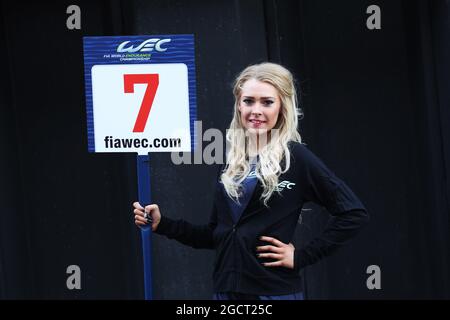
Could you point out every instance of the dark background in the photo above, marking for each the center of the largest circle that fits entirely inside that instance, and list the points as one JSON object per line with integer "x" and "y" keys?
{"x": 376, "y": 106}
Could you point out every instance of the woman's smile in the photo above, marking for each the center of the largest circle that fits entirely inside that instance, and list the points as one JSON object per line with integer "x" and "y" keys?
{"x": 256, "y": 123}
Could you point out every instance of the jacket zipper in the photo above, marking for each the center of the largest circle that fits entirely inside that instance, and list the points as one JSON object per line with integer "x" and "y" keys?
{"x": 236, "y": 282}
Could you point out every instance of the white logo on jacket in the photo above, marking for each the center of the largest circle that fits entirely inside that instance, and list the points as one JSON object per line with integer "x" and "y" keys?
{"x": 252, "y": 174}
{"x": 284, "y": 184}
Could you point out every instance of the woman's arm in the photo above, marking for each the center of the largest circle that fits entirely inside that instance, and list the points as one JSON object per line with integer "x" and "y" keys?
{"x": 339, "y": 230}
{"x": 324, "y": 188}
{"x": 196, "y": 236}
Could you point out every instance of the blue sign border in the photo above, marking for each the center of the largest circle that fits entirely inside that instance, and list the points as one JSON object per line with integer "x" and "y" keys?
{"x": 103, "y": 50}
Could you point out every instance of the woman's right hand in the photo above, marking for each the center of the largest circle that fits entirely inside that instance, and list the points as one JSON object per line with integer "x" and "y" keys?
{"x": 152, "y": 211}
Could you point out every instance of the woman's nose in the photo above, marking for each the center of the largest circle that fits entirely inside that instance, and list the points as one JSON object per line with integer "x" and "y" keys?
{"x": 256, "y": 108}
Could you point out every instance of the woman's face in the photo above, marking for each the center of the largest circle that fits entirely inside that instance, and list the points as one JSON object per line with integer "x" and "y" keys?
{"x": 259, "y": 106}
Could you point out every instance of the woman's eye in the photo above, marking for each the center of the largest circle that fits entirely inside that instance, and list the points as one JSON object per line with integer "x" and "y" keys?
{"x": 249, "y": 102}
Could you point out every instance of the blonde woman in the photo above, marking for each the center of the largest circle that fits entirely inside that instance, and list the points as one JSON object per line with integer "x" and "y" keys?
{"x": 268, "y": 176}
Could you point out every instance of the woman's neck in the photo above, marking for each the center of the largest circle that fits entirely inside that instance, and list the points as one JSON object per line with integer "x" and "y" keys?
{"x": 255, "y": 146}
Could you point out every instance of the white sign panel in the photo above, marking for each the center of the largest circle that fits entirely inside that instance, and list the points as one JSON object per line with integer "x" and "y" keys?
{"x": 152, "y": 115}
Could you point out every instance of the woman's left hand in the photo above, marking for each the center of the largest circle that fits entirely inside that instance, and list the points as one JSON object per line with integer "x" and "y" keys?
{"x": 277, "y": 250}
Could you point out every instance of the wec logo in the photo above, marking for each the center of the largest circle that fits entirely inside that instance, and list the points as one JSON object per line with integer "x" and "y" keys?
{"x": 284, "y": 184}
{"x": 146, "y": 46}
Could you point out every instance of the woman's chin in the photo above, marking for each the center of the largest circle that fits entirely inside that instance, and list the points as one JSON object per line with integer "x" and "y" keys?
{"x": 257, "y": 131}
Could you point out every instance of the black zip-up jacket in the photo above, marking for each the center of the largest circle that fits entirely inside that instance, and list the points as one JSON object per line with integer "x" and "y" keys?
{"x": 237, "y": 267}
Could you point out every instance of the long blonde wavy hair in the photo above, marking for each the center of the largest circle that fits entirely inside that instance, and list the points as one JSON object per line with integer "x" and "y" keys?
{"x": 268, "y": 169}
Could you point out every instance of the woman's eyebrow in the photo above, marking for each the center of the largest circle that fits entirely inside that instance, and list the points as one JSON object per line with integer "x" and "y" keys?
{"x": 261, "y": 97}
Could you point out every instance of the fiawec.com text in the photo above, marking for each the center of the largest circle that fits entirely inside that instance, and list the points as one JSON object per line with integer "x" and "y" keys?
{"x": 113, "y": 143}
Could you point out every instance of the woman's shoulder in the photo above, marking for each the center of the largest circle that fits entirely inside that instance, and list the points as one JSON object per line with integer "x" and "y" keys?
{"x": 302, "y": 154}
{"x": 298, "y": 149}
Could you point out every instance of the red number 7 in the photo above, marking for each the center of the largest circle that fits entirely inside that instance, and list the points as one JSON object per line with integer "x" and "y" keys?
{"x": 152, "y": 81}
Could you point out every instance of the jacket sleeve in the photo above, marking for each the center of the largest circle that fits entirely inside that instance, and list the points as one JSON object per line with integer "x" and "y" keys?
{"x": 348, "y": 214}
{"x": 196, "y": 236}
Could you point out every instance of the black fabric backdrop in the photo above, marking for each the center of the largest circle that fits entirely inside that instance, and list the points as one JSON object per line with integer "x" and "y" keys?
{"x": 376, "y": 106}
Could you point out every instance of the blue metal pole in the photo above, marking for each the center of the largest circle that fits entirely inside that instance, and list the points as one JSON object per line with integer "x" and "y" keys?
{"x": 143, "y": 166}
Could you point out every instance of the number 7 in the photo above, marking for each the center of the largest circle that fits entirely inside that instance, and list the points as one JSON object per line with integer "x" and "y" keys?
{"x": 152, "y": 81}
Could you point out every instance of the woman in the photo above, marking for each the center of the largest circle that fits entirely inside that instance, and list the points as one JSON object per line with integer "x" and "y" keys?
{"x": 268, "y": 176}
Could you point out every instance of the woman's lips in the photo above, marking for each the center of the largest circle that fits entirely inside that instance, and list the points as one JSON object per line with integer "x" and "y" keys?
{"x": 256, "y": 123}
